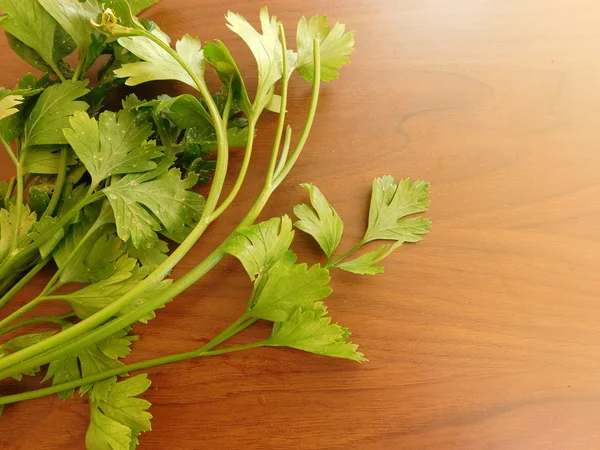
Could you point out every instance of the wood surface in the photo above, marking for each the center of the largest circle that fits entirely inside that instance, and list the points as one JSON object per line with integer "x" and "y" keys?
{"x": 485, "y": 335}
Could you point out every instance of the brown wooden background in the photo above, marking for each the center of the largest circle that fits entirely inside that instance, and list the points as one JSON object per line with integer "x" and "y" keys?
{"x": 484, "y": 336}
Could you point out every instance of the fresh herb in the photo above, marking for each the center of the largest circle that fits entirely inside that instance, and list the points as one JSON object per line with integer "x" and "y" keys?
{"x": 108, "y": 197}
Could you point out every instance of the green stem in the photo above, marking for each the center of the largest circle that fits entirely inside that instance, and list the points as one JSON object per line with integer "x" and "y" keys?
{"x": 19, "y": 204}
{"x": 283, "y": 110}
{"x": 10, "y": 152}
{"x": 22, "y": 310}
{"x": 81, "y": 63}
{"x": 60, "y": 181}
{"x": 242, "y": 174}
{"x": 11, "y": 187}
{"x": 121, "y": 370}
{"x": 23, "y": 281}
{"x": 284, "y": 152}
{"x": 314, "y": 100}
{"x": 331, "y": 264}
{"x": 56, "y": 70}
{"x": 58, "y": 320}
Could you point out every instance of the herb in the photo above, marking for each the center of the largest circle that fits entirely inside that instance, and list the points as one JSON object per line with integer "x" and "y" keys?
{"x": 109, "y": 198}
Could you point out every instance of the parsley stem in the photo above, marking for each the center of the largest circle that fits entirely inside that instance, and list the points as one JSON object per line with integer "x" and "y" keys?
{"x": 60, "y": 181}
{"x": 332, "y": 264}
{"x": 314, "y": 100}
{"x": 241, "y": 175}
{"x": 206, "y": 350}
{"x": 58, "y": 320}
{"x": 22, "y": 310}
{"x": 10, "y": 153}
{"x": 56, "y": 70}
{"x": 284, "y": 151}
{"x": 9, "y": 190}
{"x": 282, "y": 112}
{"x": 80, "y": 64}
{"x": 23, "y": 281}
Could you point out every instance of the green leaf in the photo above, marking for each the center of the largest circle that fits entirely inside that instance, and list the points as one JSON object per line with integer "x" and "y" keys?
{"x": 185, "y": 111}
{"x": 390, "y": 202}
{"x": 74, "y": 16}
{"x": 27, "y": 21}
{"x": 39, "y": 198}
{"x": 92, "y": 298}
{"x": 9, "y": 103}
{"x": 335, "y": 46}
{"x": 27, "y": 54}
{"x": 218, "y": 56}
{"x": 266, "y": 48}
{"x": 310, "y": 330}
{"x": 367, "y": 264}
{"x": 260, "y": 246}
{"x": 116, "y": 144}
{"x": 43, "y": 160}
{"x": 21, "y": 342}
{"x": 90, "y": 361}
{"x": 322, "y": 223}
{"x": 137, "y": 6}
{"x": 143, "y": 207}
{"x": 52, "y": 111}
{"x": 149, "y": 257}
{"x": 118, "y": 417}
{"x": 287, "y": 287}
{"x": 158, "y": 64}
{"x": 14, "y": 227}
{"x": 94, "y": 261}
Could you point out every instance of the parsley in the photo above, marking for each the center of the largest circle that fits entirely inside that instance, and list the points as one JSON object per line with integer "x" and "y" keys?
{"x": 109, "y": 198}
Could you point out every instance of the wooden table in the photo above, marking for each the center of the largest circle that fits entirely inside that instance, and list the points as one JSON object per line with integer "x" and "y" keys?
{"x": 483, "y": 336}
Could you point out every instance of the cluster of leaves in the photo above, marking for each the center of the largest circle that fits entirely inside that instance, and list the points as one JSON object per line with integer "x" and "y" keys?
{"x": 106, "y": 195}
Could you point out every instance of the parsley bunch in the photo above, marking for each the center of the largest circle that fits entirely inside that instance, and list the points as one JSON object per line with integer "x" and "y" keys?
{"x": 108, "y": 197}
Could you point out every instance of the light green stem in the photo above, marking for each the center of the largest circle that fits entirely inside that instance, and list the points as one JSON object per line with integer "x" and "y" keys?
{"x": 60, "y": 181}
{"x": 331, "y": 264}
{"x": 22, "y": 310}
{"x": 309, "y": 118}
{"x": 58, "y": 320}
{"x": 284, "y": 151}
{"x": 11, "y": 187}
{"x": 23, "y": 281}
{"x": 283, "y": 110}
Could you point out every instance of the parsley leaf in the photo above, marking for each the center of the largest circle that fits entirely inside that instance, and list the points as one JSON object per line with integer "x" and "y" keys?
{"x": 310, "y": 330}
{"x": 390, "y": 202}
{"x": 218, "y": 56}
{"x": 335, "y": 46}
{"x": 266, "y": 48}
{"x": 52, "y": 111}
{"x": 157, "y": 63}
{"x": 27, "y": 21}
{"x": 74, "y": 16}
{"x": 89, "y": 361}
{"x": 9, "y": 103}
{"x": 367, "y": 264}
{"x": 149, "y": 257}
{"x": 14, "y": 227}
{"x": 117, "y": 416}
{"x": 43, "y": 160}
{"x": 260, "y": 246}
{"x": 143, "y": 207}
{"x": 93, "y": 297}
{"x": 21, "y": 342}
{"x": 287, "y": 287}
{"x": 325, "y": 225}
{"x": 114, "y": 144}
{"x": 86, "y": 265}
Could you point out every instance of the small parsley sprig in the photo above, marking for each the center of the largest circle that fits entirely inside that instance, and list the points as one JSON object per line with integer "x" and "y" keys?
{"x": 108, "y": 197}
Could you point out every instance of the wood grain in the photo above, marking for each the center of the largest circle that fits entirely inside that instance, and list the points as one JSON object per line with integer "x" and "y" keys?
{"x": 484, "y": 336}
